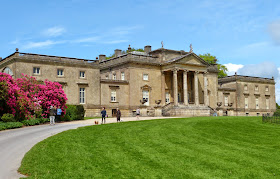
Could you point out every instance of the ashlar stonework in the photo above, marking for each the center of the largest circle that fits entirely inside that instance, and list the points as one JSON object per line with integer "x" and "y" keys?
{"x": 159, "y": 82}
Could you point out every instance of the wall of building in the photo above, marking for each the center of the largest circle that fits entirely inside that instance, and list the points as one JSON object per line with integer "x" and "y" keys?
{"x": 136, "y": 82}
{"x": 70, "y": 80}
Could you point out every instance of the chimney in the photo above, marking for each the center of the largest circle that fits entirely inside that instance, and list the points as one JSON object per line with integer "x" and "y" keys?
{"x": 147, "y": 49}
{"x": 102, "y": 58}
{"x": 129, "y": 49}
{"x": 118, "y": 52}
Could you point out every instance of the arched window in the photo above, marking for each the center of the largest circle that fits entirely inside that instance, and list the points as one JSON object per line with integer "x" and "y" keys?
{"x": 8, "y": 71}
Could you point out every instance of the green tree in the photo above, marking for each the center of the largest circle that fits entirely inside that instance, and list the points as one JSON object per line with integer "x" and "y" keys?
{"x": 212, "y": 60}
{"x": 277, "y": 112}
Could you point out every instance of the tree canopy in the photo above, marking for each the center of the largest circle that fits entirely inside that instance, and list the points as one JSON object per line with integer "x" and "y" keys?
{"x": 212, "y": 60}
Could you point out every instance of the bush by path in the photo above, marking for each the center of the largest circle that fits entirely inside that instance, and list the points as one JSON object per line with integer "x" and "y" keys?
{"x": 201, "y": 147}
{"x": 10, "y": 125}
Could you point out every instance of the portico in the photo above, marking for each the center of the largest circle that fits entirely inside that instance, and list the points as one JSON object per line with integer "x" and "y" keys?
{"x": 183, "y": 87}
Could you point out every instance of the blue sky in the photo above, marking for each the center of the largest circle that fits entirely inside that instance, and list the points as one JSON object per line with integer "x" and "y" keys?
{"x": 243, "y": 34}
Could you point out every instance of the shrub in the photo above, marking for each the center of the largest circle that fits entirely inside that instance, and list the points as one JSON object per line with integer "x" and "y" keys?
{"x": 66, "y": 117}
{"x": 10, "y": 125}
{"x": 277, "y": 112}
{"x": 74, "y": 112}
{"x": 80, "y": 112}
{"x": 8, "y": 118}
{"x": 31, "y": 122}
{"x": 43, "y": 120}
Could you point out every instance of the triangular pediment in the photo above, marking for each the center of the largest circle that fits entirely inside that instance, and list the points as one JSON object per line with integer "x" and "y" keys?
{"x": 191, "y": 60}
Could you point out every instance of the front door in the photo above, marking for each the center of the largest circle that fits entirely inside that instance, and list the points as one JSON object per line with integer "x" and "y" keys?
{"x": 114, "y": 112}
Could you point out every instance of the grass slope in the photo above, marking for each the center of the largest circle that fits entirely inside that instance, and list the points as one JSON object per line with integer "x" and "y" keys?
{"x": 202, "y": 147}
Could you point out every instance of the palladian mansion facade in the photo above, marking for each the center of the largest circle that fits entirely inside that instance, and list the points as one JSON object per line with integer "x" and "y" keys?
{"x": 161, "y": 82}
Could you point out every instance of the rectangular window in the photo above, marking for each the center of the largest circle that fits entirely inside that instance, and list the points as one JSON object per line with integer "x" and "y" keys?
{"x": 145, "y": 77}
{"x": 267, "y": 103}
{"x": 114, "y": 76}
{"x": 82, "y": 74}
{"x": 122, "y": 76}
{"x": 146, "y": 97}
{"x": 266, "y": 89}
{"x": 36, "y": 70}
{"x": 256, "y": 88}
{"x": 246, "y": 103}
{"x": 245, "y": 87}
{"x": 226, "y": 100}
{"x": 82, "y": 95}
{"x": 113, "y": 96}
{"x": 257, "y": 103}
{"x": 60, "y": 72}
{"x": 167, "y": 98}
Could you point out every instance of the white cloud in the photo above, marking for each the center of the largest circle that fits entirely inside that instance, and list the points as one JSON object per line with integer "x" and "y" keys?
{"x": 232, "y": 68}
{"x": 46, "y": 43}
{"x": 54, "y": 31}
{"x": 274, "y": 31}
{"x": 264, "y": 69}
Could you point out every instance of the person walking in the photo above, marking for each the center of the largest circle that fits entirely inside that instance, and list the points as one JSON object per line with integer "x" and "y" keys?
{"x": 137, "y": 113}
{"x": 118, "y": 115}
{"x": 58, "y": 114}
{"x": 103, "y": 114}
{"x": 52, "y": 115}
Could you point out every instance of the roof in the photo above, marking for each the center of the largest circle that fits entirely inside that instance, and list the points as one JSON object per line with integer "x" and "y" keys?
{"x": 170, "y": 50}
{"x": 234, "y": 78}
{"x": 41, "y": 55}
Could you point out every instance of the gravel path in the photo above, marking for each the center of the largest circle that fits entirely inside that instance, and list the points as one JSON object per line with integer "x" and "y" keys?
{"x": 16, "y": 142}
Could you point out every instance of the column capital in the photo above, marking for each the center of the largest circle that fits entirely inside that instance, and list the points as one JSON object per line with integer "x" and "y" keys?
{"x": 197, "y": 72}
{"x": 205, "y": 72}
{"x": 185, "y": 70}
{"x": 175, "y": 70}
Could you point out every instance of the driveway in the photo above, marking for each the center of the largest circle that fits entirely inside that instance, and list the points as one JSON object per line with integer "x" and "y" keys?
{"x": 16, "y": 142}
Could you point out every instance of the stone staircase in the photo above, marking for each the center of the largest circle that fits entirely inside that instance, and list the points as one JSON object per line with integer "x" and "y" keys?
{"x": 182, "y": 110}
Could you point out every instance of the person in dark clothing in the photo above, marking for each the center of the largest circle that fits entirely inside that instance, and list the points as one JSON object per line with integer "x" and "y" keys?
{"x": 103, "y": 113}
{"x": 118, "y": 115}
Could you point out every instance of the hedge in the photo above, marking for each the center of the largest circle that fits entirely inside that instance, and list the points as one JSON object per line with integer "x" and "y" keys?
{"x": 10, "y": 125}
{"x": 31, "y": 122}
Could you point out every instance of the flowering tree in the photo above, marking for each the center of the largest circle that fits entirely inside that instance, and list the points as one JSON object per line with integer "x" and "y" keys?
{"x": 52, "y": 94}
{"x": 26, "y": 97}
{"x": 12, "y": 99}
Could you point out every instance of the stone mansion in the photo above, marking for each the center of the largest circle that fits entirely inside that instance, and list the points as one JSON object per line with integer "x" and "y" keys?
{"x": 161, "y": 82}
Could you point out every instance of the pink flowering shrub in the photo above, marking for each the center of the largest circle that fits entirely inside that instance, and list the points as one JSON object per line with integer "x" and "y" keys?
{"x": 25, "y": 98}
{"x": 52, "y": 94}
{"x": 12, "y": 99}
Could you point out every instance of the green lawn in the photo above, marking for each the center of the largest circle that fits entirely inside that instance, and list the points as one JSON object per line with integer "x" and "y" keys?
{"x": 85, "y": 118}
{"x": 202, "y": 147}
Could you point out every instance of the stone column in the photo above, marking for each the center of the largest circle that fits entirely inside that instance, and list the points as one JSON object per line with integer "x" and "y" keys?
{"x": 175, "y": 87}
{"x": 196, "y": 98}
{"x": 206, "y": 103}
{"x": 162, "y": 88}
{"x": 185, "y": 86}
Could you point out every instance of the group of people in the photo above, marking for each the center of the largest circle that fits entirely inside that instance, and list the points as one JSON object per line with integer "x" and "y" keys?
{"x": 55, "y": 113}
{"x": 118, "y": 115}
